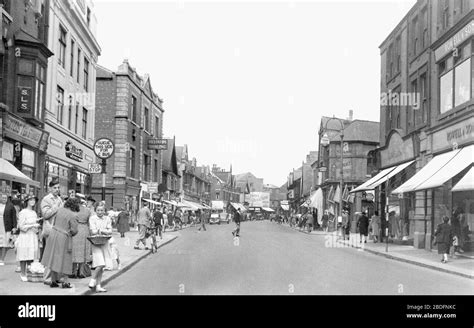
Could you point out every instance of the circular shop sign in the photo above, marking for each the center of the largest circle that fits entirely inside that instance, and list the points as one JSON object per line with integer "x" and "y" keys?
{"x": 104, "y": 148}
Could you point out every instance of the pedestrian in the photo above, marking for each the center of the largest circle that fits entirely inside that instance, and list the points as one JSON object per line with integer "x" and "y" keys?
{"x": 444, "y": 238}
{"x": 123, "y": 220}
{"x": 375, "y": 226}
{"x": 158, "y": 221}
{"x": 346, "y": 224}
{"x": 237, "y": 217}
{"x": 325, "y": 220}
{"x": 457, "y": 231}
{"x": 100, "y": 225}
{"x": 363, "y": 224}
{"x": 309, "y": 221}
{"x": 178, "y": 219}
{"x": 202, "y": 217}
{"x": 9, "y": 223}
{"x": 144, "y": 217}
{"x": 50, "y": 205}
{"x": 27, "y": 243}
{"x": 165, "y": 219}
{"x": 81, "y": 247}
{"x": 90, "y": 204}
{"x": 57, "y": 255}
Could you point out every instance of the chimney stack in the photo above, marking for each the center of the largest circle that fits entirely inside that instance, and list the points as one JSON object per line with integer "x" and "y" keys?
{"x": 351, "y": 114}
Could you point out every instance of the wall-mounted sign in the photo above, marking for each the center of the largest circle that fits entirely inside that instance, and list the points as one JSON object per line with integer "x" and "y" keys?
{"x": 153, "y": 187}
{"x": 55, "y": 142}
{"x": 24, "y": 100}
{"x": 22, "y": 131}
{"x": 455, "y": 41}
{"x": 104, "y": 148}
{"x": 95, "y": 168}
{"x": 156, "y": 143}
{"x": 73, "y": 152}
{"x": 457, "y": 134}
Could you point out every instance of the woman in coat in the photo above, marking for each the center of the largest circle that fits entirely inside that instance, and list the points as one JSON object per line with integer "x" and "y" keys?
{"x": 58, "y": 252}
{"x": 27, "y": 244}
{"x": 122, "y": 222}
{"x": 81, "y": 247}
{"x": 363, "y": 224}
{"x": 444, "y": 238}
{"x": 325, "y": 220}
{"x": 100, "y": 224}
{"x": 375, "y": 225}
{"x": 9, "y": 223}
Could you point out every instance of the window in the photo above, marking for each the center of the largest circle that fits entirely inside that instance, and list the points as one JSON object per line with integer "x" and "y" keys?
{"x": 71, "y": 72}
{"x": 156, "y": 171}
{"x": 445, "y": 14}
{"x": 412, "y": 113}
{"x": 77, "y": 117}
{"x": 415, "y": 35}
{"x": 39, "y": 90}
{"x": 132, "y": 162}
{"x": 62, "y": 47}
{"x": 399, "y": 51}
{"x": 390, "y": 60}
{"x": 133, "y": 113}
{"x": 78, "y": 77}
{"x": 71, "y": 106}
{"x": 84, "y": 123}
{"x": 455, "y": 79}
{"x": 146, "y": 167}
{"x": 157, "y": 126}
{"x": 88, "y": 16}
{"x": 424, "y": 37}
{"x": 86, "y": 74}
{"x": 423, "y": 99}
{"x": 147, "y": 119}
{"x": 60, "y": 108}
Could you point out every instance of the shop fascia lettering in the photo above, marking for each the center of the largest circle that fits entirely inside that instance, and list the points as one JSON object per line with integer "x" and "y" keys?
{"x": 73, "y": 152}
{"x": 460, "y": 133}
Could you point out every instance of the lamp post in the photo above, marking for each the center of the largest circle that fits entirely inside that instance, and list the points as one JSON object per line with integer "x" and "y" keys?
{"x": 325, "y": 142}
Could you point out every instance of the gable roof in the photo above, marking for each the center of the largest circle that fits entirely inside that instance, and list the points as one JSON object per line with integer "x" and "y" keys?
{"x": 356, "y": 130}
{"x": 170, "y": 163}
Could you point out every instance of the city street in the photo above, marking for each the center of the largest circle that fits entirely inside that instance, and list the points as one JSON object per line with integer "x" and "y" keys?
{"x": 277, "y": 260}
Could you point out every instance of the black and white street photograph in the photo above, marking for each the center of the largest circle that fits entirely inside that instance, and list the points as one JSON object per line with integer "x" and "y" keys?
{"x": 238, "y": 148}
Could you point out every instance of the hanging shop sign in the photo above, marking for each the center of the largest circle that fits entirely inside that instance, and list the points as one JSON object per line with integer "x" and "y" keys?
{"x": 19, "y": 130}
{"x": 24, "y": 100}
{"x": 73, "y": 152}
{"x": 156, "y": 143}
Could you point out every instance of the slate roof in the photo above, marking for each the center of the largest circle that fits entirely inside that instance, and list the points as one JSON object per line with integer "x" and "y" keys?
{"x": 356, "y": 130}
{"x": 169, "y": 158}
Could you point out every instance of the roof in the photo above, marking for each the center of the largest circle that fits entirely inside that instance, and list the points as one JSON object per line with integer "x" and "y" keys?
{"x": 102, "y": 72}
{"x": 244, "y": 176}
{"x": 179, "y": 152}
{"x": 356, "y": 130}
{"x": 170, "y": 163}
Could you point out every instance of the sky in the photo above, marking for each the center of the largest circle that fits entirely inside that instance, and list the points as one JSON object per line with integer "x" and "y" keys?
{"x": 246, "y": 83}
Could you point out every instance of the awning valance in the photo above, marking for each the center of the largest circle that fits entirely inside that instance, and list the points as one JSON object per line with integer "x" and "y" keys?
{"x": 365, "y": 185}
{"x": 466, "y": 182}
{"x": 267, "y": 209}
{"x": 285, "y": 207}
{"x": 426, "y": 172}
{"x": 11, "y": 173}
{"x": 152, "y": 201}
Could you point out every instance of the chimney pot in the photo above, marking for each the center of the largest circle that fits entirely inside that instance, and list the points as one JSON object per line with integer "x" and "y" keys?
{"x": 351, "y": 114}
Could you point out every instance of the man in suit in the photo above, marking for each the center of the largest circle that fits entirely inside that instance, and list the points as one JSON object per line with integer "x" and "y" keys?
{"x": 237, "y": 219}
{"x": 144, "y": 216}
{"x": 50, "y": 204}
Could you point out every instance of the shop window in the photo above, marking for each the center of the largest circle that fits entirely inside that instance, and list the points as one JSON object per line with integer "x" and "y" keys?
{"x": 462, "y": 82}
{"x": 7, "y": 151}
{"x": 28, "y": 165}
{"x": 446, "y": 92}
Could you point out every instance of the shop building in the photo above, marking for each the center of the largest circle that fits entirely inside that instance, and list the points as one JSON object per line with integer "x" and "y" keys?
{"x": 70, "y": 94}
{"x": 24, "y": 54}
{"x": 129, "y": 113}
{"x": 171, "y": 174}
{"x": 426, "y": 122}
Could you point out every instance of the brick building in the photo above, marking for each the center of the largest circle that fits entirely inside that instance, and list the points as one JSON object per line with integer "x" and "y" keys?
{"x": 129, "y": 113}
{"x": 24, "y": 57}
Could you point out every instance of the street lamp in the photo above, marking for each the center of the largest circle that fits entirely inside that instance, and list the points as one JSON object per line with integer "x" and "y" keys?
{"x": 325, "y": 141}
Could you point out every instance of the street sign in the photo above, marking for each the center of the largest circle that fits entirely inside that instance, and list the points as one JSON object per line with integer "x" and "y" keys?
{"x": 104, "y": 148}
{"x": 325, "y": 140}
{"x": 156, "y": 143}
{"x": 153, "y": 187}
{"x": 95, "y": 168}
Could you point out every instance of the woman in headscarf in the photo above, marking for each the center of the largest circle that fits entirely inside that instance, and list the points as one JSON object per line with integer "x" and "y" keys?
{"x": 81, "y": 247}
{"x": 58, "y": 252}
{"x": 122, "y": 222}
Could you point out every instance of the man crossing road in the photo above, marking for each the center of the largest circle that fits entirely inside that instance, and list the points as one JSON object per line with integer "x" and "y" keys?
{"x": 237, "y": 219}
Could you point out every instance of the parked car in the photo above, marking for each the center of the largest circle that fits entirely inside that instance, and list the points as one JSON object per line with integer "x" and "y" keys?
{"x": 225, "y": 217}
{"x": 215, "y": 219}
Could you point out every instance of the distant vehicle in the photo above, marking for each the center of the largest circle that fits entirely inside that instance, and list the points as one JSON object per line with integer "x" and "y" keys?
{"x": 215, "y": 219}
{"x": 225, "y": 217}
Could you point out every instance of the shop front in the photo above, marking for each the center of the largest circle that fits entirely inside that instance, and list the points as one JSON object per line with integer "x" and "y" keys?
{"x": 23, "y": 146}
{"x": 68, "y": 159}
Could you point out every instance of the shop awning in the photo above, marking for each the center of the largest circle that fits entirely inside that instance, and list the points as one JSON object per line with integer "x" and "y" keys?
{"x": 463, "y": 159}
{"x": 337, "y": 195}
{"x": 152, "y": 201}
{"x": 285, "y": 207}
{"x": 205, "y": 206}
{"x": 466, "y": 182}
{"x": 396, "y": 170}
{"x": 267, "y": 209}
{"x": 171, "y": 202}
{"x": 426, "y": 172}
{"x": 191, "y": 205}
{"x": 365, "y": 185}
{"x": 11, "y": 173}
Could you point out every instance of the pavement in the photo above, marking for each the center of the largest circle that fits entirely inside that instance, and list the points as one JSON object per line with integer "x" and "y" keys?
{"x": 11, "y": 284}
{"x": 270, "y": 259}
{"x": 458, "y": 264}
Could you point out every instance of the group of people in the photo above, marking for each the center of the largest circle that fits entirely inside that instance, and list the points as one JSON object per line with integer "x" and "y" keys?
{"x": 55, "y": 233}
